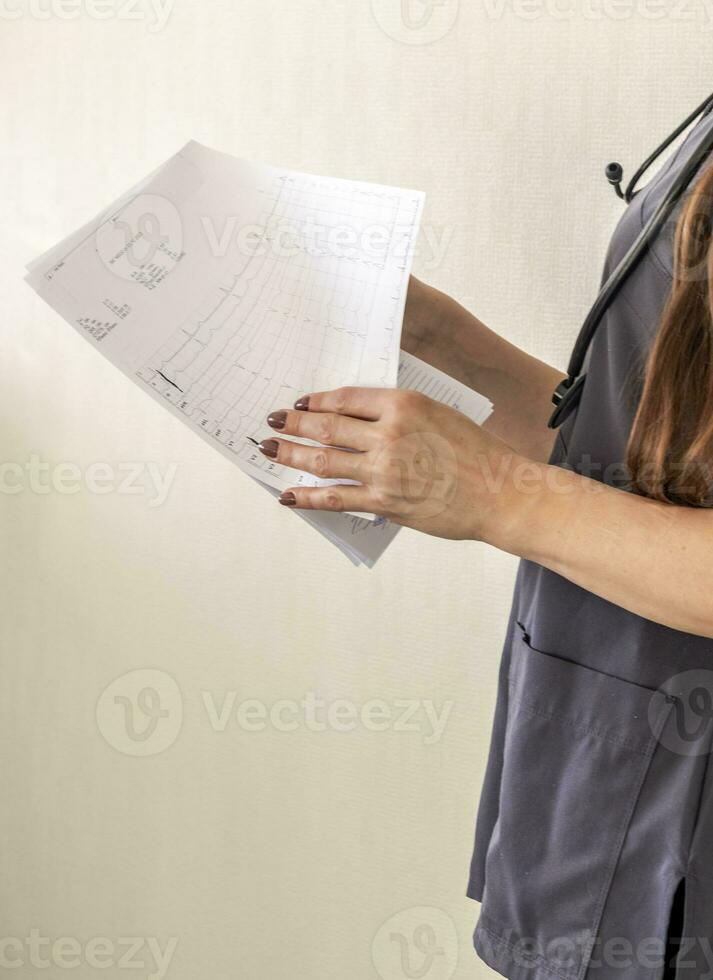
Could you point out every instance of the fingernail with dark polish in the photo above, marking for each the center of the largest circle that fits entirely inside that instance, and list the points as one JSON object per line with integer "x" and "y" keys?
{"x": 277, "y": 420}
{"x": 288, "y": 499}
{"x": 302, "y": 404}
{"x": 269, "y": 447}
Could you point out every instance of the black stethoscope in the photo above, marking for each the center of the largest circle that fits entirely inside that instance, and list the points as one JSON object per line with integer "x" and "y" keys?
{"x": 569, "y": 391}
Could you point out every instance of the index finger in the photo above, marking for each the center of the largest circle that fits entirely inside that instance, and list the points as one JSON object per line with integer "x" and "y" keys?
{"x": 359, "y": 403}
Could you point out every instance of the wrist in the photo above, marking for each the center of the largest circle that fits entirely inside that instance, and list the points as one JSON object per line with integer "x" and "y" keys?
{"x": 422, "y": 316}
{"x": 521, "y": 515}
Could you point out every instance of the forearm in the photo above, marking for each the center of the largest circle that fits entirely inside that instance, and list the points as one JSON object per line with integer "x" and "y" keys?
{"x": 440, "y": 331}
{"x": 651, "y": 558}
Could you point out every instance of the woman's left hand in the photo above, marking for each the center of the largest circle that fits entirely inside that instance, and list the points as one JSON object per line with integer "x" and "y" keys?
{"x": 417, "y": 462}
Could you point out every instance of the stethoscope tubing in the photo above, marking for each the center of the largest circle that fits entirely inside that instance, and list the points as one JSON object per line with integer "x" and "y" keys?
{"x": 568, "y": 392}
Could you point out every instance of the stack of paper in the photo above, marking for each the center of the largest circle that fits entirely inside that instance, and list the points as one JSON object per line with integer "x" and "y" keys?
{"x": 227, "y": 289}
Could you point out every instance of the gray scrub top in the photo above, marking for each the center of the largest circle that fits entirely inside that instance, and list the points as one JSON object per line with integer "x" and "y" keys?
{"x": 598, "y": 797}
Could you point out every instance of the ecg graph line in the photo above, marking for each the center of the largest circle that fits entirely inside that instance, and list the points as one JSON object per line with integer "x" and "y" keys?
{"x": 283, "y": 324}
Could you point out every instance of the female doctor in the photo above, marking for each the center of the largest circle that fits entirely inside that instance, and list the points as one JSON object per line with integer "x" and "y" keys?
{"x": 594, "y": 835}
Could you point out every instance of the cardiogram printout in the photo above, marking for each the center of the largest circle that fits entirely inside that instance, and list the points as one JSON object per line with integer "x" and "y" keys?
{"x": 227, "y": 289}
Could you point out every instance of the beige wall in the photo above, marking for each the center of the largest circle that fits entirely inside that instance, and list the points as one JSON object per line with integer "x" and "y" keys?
{"x": 272, "y": 853}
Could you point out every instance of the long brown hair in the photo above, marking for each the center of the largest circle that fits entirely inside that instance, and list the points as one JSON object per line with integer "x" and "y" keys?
{"x": 670, "y": 451}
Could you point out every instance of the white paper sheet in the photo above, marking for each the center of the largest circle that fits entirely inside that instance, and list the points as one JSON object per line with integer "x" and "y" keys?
{"x": 227, "y": 289}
